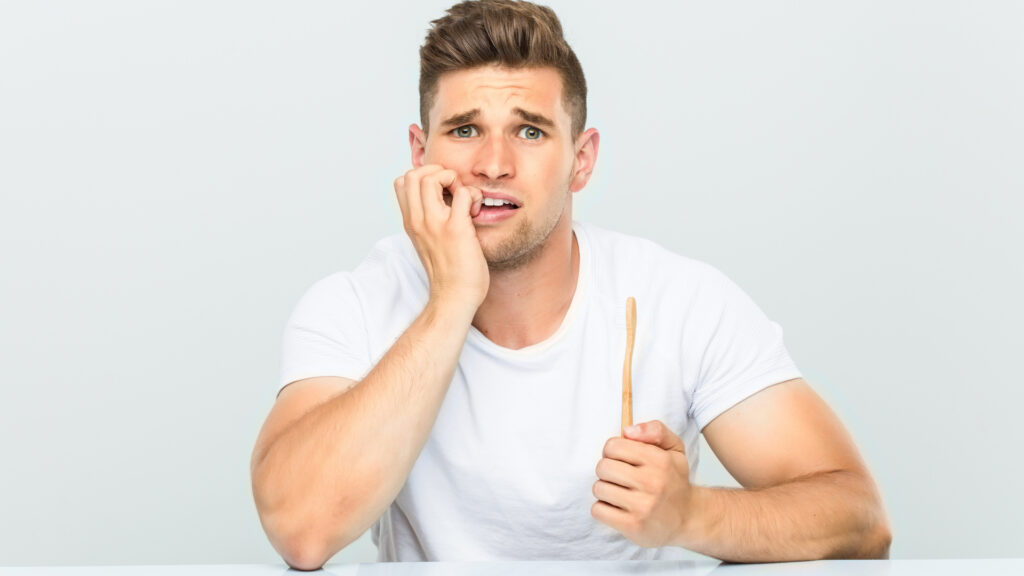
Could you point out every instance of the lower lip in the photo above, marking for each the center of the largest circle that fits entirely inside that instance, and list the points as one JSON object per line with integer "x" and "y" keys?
{"x": 491, "y": 215}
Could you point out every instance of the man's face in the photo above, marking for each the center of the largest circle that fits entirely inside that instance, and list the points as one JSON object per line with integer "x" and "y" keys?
{"x": 507, "y": 133}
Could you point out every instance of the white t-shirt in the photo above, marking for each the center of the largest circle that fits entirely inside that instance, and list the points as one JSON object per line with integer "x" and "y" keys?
{"x": 509, "y": 466}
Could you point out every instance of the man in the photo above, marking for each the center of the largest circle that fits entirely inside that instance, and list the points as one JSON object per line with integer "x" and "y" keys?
{"x": 459, "y": 392}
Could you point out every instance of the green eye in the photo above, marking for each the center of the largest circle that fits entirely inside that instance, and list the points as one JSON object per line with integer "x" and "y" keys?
{"x": 530, "y": 133}
{"x": 464, "y": 131}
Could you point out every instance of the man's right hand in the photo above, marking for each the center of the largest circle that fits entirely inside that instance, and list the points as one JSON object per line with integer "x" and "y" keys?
{"x": 443, "y": 235}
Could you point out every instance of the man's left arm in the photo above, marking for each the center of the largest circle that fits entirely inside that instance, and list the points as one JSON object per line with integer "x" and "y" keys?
{"x": 806, "y": 494}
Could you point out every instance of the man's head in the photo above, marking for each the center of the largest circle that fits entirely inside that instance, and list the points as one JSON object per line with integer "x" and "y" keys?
{"x": 503, "y": 104}
{"x": 505, "y": 33}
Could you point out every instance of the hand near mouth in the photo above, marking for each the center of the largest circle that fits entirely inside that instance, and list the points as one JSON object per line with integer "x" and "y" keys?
{"x": 437, "y": 213}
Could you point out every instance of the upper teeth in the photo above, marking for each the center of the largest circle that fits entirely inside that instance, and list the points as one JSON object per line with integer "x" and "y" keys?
{"x": 496, "y": 202}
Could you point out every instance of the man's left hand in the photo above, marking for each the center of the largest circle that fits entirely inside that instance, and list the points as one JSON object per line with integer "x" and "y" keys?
{"x": 643, "y": 488}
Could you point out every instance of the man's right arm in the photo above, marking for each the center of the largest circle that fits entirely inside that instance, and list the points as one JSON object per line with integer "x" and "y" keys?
{"x": 331, "y": 456}
{"x": 327, "y": 477}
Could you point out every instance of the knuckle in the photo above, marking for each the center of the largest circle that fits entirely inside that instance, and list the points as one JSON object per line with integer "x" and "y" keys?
{"x": 656, "y": 485}
{"x": 436, "y": 175}
{"x": 650, "y": 505}
{"x": 663, "y": 459}
{"x": 677, "y": 461}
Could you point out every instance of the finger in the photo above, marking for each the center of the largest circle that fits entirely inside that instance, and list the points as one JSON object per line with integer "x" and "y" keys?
{"x": 478, "y": 201}
{"x": 432, "y": 194}
{"x": 471, "y": 201}
{"x": 413, "y": 199}
{"x": 656, "y": 433}
{"x": 625, "y": 450}
{"x": 618, "y": 472}
{"x": 403, "y": 203}
{"x": 609, "y": 515}
{"x": 462, "y": 203}
{"x": 455, "y": 183}
{"x": 613, "y": 494}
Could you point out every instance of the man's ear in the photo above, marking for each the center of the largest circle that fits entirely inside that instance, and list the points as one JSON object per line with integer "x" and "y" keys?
{"x": 417, "y": 145}
{"x": 586, "y": 157}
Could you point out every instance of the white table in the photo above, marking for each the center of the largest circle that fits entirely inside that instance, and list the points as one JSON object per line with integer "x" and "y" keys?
{"x": 987, "y": 567}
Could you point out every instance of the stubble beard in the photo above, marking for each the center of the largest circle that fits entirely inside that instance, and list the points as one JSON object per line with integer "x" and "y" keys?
{"x": 524, "y": 244}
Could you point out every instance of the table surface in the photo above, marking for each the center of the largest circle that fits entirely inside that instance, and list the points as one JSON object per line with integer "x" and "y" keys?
{"x": 988, "y": 567}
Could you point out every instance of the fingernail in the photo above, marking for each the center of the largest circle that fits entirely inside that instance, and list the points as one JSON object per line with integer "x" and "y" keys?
{"x": 632, "y": 430}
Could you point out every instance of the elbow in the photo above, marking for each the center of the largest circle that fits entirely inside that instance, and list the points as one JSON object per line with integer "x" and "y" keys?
{"x": 869, "y": 538}
{"x": 310, "y": 549}
{"x": 876, "y": 534}
{"x": 304, "y": 544}
{"x": 302, "y": 531}
{"x": 303, "y": 555}
{"x": 300, "y": 549}
{"x": 883, "y": 542}
{"x": 872, "y": 545}
{"x": 288, "y": 533}
{"x": 881, "y": 532}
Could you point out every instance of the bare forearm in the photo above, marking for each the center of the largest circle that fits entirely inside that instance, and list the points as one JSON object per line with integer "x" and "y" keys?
{"x": 831, "y": 515}
{"x": 332, "y": 473}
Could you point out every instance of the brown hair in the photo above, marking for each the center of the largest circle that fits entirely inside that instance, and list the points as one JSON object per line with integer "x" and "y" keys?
{"x": 503, "y": 32}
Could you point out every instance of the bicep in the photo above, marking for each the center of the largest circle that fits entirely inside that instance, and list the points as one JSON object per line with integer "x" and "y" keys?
{"x": 294, "y": 401}
{"x": 780, "y": 433}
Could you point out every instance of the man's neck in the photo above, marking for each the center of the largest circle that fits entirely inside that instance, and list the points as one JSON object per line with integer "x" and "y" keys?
{"x": 526, "y": 305}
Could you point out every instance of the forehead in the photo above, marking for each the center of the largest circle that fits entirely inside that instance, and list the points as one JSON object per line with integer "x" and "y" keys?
{"x": 496, "y": 91}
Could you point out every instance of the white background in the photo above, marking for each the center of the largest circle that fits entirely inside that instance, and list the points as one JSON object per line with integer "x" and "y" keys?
{"x": 174, "y": 175}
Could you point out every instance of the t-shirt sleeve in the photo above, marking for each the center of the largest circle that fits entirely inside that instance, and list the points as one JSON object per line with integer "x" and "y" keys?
{"x": 744, "y": 353}
{"x": 325, "y": 334}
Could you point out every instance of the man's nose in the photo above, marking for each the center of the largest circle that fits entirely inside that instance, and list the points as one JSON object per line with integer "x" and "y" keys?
{"x": 495, "y": 158}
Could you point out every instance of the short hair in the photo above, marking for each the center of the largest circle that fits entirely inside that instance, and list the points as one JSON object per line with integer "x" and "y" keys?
{"x": 507, "y": 33}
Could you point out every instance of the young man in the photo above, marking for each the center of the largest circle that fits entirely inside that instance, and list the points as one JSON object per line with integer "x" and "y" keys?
{"x": 459, "y": 392}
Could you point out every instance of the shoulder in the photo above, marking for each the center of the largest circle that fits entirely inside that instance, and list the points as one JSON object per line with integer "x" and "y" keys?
{"x": 635, "y": 264}
{"x": 391, "y": 264}
{"x": 390, "y": 267}
{"x": 392, "y": 254}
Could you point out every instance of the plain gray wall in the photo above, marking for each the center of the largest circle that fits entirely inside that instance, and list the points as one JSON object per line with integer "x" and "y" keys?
{"x": 174, "y": 175}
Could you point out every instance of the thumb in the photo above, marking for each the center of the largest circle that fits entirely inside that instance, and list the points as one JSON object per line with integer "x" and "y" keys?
{"x": 655, "y": 432}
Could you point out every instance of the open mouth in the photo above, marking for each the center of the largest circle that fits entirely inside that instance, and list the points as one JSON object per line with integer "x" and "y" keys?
{"x": 498, "y": 204}
{"x": 489, "y": 204}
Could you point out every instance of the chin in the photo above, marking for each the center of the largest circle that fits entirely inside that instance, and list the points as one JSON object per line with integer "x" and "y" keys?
{"x": 514, "y": 250}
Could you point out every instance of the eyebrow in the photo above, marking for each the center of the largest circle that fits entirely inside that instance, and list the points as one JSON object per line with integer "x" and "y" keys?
{"x": 467, "y": 117}
{"x": 534, "y": 118}
{"x": 460, "y": 119}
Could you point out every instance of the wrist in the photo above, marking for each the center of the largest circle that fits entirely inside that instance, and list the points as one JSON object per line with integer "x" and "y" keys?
{"x": 452, "y": 306}
{"x": 697, "y": 520}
